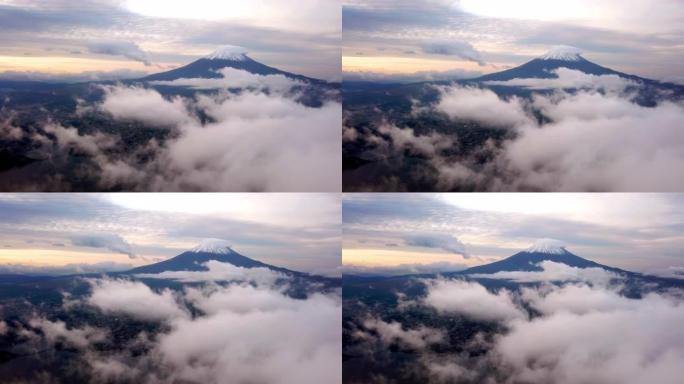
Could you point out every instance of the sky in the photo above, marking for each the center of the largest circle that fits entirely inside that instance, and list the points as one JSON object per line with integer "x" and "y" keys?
{"x": 68, "y": 233}
{"x": 422, "y": 39}
{"x": 110, "y": 38}
{"x": 435, "y": 232}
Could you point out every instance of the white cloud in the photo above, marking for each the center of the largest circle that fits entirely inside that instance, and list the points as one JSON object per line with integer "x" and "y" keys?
{"x": 471, "y": 299}
{"x": 578, "y": 335}
{"x": 438, "y": 240}
{"x": 258, "y": 142}
{"x": 394, "y": 332}
{"x": 218, "y": 271}
{"x": 134, "y": 299}
{"x": 585, "y": 341}
{"x": 253, "y": 335}
{"x": 145, "y": 105}
{"x": 70, "y": 138}
{"x": 110, "y": 241}
{"x": 569, "y": 78}
{"x": 451, "y": 47}
{"x": 56, "y": 331}
{"x": 250, "y": 333}
{"x": 236, "y": 78}
{"x": 406, "y": 139}
{"x": 126, "y": 49}
{"x": 475, "y": 104}
{"x": 631, "y": 147}
{"x": 552, "y": 271}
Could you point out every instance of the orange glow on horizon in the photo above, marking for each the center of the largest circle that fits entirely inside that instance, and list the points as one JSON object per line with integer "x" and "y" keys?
{"x": 67, "y": 65}
{"x": 408, "y": 65}
{"x": 391, "y": 258}
{"x": 57, "y": 257}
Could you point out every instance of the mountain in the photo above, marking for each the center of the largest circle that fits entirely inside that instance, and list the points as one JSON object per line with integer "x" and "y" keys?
{"x": 558, "y": 57}
{"x": 528, "y": 260}
{"x": 209, "y": 249}
{"x": 225, "y": 57}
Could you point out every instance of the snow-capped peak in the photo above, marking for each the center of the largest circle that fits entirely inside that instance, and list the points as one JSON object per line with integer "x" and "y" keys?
{"x": 228, "y": 52}
{"x": 217, "y": 246}
{"x": 547, "y": 246}
{"x": 563, "y": 52}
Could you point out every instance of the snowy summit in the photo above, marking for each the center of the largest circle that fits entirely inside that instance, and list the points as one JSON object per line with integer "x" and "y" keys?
{"x": 228, "y": 52}
{"x": 217, "y": 246}
{"x": 547, "y": 246}
{"x": 563, "y": 52}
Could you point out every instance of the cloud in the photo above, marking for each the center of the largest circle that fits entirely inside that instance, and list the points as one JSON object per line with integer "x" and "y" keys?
{"x": 672, "y": 272}
{"x": 546, "y": 147}
{"x": 218, "y": 271}
{"x": 134, "y": 299}
{"x": 566, "y": 333}
{"x": 249, "y": 332}
{"x": 471, "y": 300}
{"x": 257, "y": 142}
{"x": 295, "y": 340}
{"x": 460, "y": 49}
{"x": 69, "y": 138}
{"x": 566, "y": 78}
{"x": 394, "y": 333}
{"x": 552, "y": 271}
{"x": 558, "y": 157}
{"x": 475, "y": 104}
{"x": 57, "y": 331}
{"x": 438, "y": 240}
{"x": 236, "y": 78}
{"x": 584, "y": 340}
{"x": 144, "y": 105}
{"x": 110, "y": 241}
{"x": 126, "y": 49}
{"x": 405, "y": 139}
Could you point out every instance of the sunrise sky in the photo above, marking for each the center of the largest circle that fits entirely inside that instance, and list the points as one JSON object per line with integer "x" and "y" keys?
{"x": 130, "y": 37}
{"x": 472, "y": 37}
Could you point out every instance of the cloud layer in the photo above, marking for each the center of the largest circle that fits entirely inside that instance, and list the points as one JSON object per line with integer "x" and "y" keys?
{"x": 199, "y": 333}
{"x": 561, "y": 334}
{"x": 632, "y": 147}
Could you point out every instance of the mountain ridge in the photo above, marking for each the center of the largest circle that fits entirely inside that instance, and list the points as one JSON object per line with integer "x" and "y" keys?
{"x": 225, "y": 57}
{"x": 195, "y": 258}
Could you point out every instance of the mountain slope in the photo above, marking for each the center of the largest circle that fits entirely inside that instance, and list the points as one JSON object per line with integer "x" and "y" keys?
{"x": 210, "y": 249}
{"x": 557, "y": 57}
{"x": 528, "y": 260}
{"x": 208, "y": 66}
